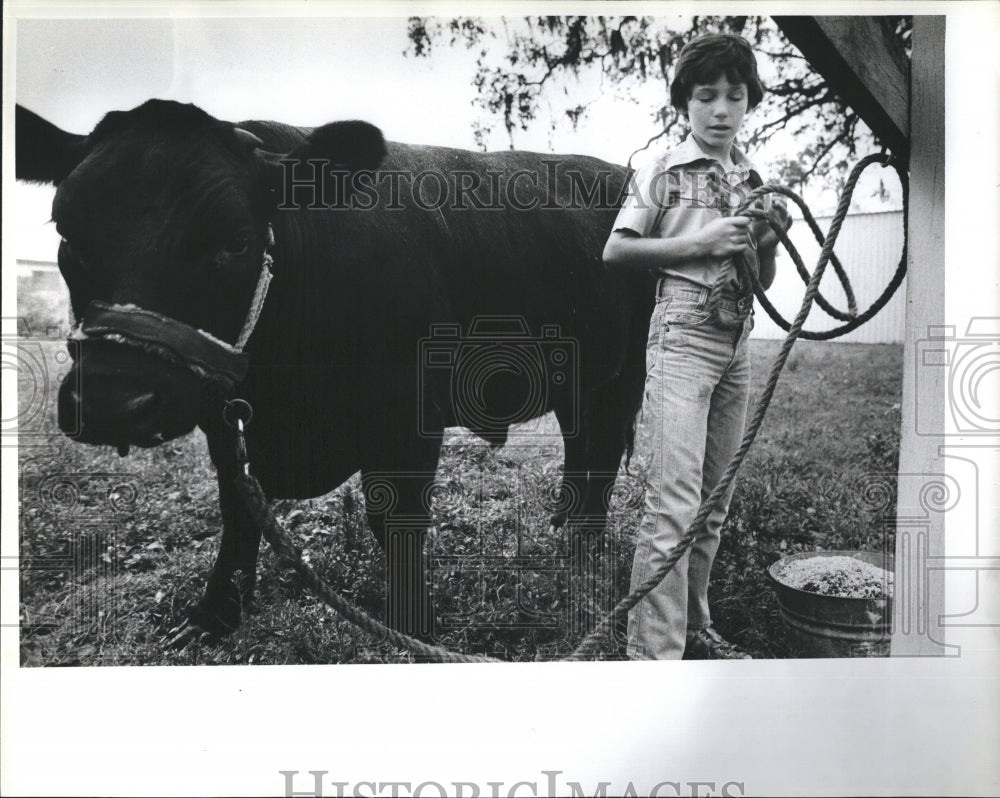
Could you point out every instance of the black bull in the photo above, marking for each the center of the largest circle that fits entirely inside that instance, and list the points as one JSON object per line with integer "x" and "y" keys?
{"x": 446, "y": 288}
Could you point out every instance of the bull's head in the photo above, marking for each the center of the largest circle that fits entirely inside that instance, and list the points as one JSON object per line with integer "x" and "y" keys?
{"x": 164, "y": 214}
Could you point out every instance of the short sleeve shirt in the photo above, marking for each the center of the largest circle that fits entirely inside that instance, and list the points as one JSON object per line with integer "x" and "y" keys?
{"x": 682, "y": 191}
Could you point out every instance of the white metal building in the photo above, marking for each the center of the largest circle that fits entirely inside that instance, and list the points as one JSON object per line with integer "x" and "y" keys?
{"x": 869, "y": 248}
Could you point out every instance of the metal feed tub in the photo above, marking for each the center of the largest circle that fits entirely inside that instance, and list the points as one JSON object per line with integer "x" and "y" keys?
{"x": 834, "y": 626}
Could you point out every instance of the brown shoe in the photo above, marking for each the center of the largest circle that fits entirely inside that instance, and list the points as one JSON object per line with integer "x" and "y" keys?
{"x": 708, "y": 644}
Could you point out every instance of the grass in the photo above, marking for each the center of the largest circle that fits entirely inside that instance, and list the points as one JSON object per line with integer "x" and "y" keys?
{"x": 114, "y": 549}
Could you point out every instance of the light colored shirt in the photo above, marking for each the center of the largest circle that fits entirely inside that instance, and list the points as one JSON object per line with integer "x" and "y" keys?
{"x": 682, "y": 191}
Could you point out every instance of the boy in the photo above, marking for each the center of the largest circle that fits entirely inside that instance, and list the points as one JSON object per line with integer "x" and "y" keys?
{"x": 697, "y": 359}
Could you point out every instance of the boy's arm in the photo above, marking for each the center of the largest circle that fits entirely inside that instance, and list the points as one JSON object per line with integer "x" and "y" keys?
{"x": 765, "y": 265}
{"x": 720, "y": 238}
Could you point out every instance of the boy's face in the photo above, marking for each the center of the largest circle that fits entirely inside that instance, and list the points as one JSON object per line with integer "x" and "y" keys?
{"x": 716, "y": 111}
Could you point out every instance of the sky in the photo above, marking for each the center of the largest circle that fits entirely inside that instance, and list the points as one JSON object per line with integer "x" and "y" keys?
{"x": 299, "y": 70}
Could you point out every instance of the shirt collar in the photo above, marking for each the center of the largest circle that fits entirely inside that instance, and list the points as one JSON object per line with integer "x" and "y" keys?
{"x": 688, "y": 152}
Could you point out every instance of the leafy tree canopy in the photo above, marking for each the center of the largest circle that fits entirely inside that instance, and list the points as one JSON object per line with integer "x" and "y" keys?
{"x": 525, "y": 65}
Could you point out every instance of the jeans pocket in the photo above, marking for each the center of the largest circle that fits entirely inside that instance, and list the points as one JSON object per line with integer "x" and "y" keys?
{"x": 685, "y": 318}
{"x": 684, "y": 313}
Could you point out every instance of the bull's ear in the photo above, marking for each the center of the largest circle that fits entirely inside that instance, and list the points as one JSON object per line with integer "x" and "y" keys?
{"x": 354, "y": 144}
{"x": 43, "y": 152}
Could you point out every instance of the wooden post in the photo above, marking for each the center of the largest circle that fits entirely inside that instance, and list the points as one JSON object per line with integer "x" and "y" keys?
{"x": 919, "y": 596}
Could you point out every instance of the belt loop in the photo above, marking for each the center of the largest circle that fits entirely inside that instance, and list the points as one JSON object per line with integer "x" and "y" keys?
{"x": 703, "y": 294}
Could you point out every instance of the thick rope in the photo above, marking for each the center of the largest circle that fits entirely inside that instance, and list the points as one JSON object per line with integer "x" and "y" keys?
{"x": 289, "y": 555}
{"x": 748, "y": 277}
{"x": 853, "y": 320}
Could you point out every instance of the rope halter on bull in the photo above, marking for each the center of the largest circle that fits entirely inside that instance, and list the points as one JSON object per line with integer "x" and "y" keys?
{"x": 290, "y": 556}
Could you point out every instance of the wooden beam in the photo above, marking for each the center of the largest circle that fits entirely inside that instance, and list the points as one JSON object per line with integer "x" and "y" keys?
{"x": 863, "y": 62}
{"x": 919, "y": 597}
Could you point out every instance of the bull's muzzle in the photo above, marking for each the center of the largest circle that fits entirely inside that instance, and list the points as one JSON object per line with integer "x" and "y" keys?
{"x": 121, "y": 396}
{"x": 138, "y": 376}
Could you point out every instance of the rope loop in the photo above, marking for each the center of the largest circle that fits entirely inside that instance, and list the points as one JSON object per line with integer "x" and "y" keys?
{"x": 853, "y": 319}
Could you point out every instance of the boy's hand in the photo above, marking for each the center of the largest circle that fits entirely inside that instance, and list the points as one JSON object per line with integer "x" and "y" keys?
{"x": 762, "y": 231}
{"x": 723, "y": 237}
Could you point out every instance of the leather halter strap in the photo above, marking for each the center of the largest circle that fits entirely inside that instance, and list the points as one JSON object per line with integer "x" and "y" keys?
{"x": 175, "y": 341}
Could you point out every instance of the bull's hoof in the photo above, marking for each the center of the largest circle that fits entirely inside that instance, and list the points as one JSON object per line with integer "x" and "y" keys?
{"x": 186, "y": 633}
{"x": 219, "y": 613}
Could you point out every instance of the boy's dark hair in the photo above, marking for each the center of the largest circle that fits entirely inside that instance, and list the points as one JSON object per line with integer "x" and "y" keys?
{"x": 705, "y": 59}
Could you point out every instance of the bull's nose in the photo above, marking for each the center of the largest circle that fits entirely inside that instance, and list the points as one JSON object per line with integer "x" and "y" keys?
{"x": 105, "y": 411}
{"x": 139, "y": 404}
{"x": 139, "y": 412}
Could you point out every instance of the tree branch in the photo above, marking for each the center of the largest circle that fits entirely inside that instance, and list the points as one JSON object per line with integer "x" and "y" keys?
{"x": 819, "y": 158}
{"x": 663, "y": 133}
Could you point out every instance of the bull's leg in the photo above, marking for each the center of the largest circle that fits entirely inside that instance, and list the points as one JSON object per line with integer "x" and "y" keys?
{"x": 231, "y": 584}
{"x": 399, "y": 461}
{"x": 397, "y": 505}
{"x": 591, "y": 467}
{"x": 574, "y": 481}
{"x": 592, "y": 456}
{"x": 588, "y": 478}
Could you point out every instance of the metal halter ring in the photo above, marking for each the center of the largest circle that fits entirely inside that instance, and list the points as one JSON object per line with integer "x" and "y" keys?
{"x": 242, "y": 409}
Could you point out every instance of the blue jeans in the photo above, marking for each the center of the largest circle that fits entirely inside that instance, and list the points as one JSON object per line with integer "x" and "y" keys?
{"x": 697, "y": 386}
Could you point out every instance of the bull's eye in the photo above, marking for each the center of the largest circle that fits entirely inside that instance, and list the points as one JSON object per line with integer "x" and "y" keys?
{"x": 237, "y": 245}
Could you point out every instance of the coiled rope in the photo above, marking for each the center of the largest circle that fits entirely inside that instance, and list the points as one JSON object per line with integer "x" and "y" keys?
{"x": 290, "y": 556}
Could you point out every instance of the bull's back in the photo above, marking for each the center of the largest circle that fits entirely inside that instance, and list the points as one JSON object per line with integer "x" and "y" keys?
{"x": 527, "y": 242}
{"x": 507, "y": 221}
{"x": 440, "y": 235}
{"x": 507, "y": 233}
